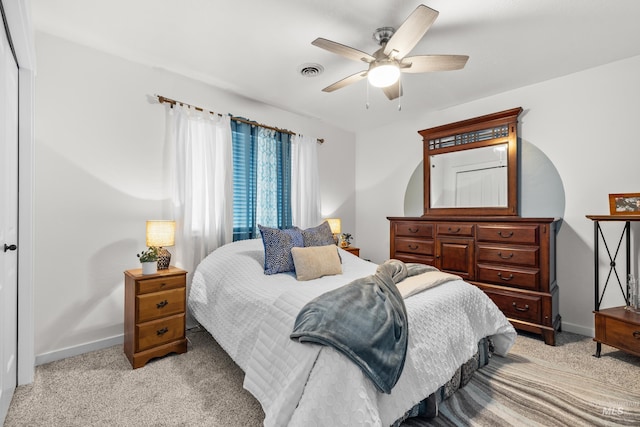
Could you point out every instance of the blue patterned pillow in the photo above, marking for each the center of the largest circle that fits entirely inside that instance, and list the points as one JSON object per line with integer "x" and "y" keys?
{"x": 318, "y": 236}
{"x": 277, "y": 248}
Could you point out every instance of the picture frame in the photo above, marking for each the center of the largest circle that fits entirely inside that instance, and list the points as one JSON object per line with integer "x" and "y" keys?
{"x": 624, "y": 204}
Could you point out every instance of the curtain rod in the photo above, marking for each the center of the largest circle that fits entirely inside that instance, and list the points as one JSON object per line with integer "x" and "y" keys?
{"x": 165, "y": 100}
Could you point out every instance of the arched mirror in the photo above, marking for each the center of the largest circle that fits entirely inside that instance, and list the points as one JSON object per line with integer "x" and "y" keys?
{"x": 471, "y": 167}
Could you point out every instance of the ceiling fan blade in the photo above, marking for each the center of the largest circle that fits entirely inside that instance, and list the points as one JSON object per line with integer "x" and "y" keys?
{"x": 426, "y": 63}
{"x": 346, "y": 81}
{"x": 340, "y": 49}
{"x": 393, "y": 91}
{"x": 411, "y": 31}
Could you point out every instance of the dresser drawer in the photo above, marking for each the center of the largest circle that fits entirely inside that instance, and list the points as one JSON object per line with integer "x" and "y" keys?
{"x": 157, "y": 332}
{"x": 507, "y": 233}
{"x": 517, "y": 306}
{"x": 160, "y": 284}
{"x": 508, "y": 276}
{"x": 414, "y": 246}
{"x": 420, "y": 259}
{"x": 454, "y": 229}
{"x": 160, "y": 304}
{"x": 414, "y": 229}
{"x": 524, "y": 255}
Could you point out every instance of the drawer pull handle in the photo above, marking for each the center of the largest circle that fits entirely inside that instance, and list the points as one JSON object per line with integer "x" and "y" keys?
{"x": 164, "y": 330}
{"x": 505, "y": 257}
{"x": 161, "y": 304}
{"x": 414, "y": 230}
{"x": 457, "y": 230}
{"x": 506, "y": 279}
{"x": 414, "y": 247}
{"x": 636, "y": 335}
{"x": 526, "y": 307}
{"x": 506, "y": 235}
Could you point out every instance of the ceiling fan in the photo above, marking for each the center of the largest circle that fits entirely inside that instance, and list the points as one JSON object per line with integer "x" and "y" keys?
{"x": 386, "y": 64}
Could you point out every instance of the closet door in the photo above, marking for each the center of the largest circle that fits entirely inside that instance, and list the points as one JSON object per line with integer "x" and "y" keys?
{"x": 8, "y": 222}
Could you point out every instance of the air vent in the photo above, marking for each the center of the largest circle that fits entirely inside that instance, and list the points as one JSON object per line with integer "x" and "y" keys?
{"x": 310, "y": 70}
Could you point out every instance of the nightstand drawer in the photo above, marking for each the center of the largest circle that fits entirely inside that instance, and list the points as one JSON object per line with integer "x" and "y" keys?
{"x": 622, "y": 335}
{"x": 619, "y": 328}
{"x": 160, "y": 284}
{"x": 160, "y": 331}
{"x": 160, "y": 304}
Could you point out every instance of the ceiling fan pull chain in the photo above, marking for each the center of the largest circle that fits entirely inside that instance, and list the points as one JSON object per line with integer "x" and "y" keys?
{"x": 400, "y": 92}
{"x": 367, "y": 103}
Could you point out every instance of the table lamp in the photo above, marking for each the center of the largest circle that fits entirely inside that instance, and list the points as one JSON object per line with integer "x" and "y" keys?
{"x": 336, "y": 227}
{"x": 161, "y": 234}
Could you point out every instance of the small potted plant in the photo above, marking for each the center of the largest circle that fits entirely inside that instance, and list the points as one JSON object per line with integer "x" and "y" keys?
{"x": 149, "y": 260}
{"x": 345, "y": 240}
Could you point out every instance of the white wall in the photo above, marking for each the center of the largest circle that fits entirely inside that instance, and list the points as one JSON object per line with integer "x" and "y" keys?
{"x": 100, "y": 174}
{"x": 584, "y": 123}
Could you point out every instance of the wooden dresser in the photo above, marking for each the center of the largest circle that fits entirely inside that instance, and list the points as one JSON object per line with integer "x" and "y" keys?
{"x": 154, "y": 314}
{"x": 512, "y": 259}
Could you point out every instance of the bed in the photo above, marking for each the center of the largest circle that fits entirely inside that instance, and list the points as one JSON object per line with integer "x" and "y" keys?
{"x": 252, "y": 314}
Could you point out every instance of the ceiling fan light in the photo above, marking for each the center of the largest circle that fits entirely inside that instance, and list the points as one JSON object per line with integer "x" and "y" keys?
{"x": 383, "y": 74}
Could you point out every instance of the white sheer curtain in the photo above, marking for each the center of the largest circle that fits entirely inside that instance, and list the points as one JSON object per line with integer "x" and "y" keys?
{"x": 202, "y": 182}
{"x": 267, "y": 185}
{"x": 305, "y": 182}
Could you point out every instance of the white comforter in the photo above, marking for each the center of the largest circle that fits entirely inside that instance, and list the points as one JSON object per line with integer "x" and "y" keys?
{"x": 251, "y": 316}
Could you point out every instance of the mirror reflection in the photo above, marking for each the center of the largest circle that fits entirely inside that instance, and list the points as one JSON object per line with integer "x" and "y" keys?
{"x": 470, "y": 178}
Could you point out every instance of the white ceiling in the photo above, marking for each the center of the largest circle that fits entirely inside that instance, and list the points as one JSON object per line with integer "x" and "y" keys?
{"x": 255, "y": 47}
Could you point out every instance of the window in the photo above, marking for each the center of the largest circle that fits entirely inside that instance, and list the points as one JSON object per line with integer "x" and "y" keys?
{"x": 261, "y": 179}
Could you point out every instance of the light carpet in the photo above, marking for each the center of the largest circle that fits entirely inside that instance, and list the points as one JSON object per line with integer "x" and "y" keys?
{"x": 535, "y": 385}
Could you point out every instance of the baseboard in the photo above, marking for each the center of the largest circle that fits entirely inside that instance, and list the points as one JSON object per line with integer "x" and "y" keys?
{"x": 52, "y": 356}
{"x": 578, "y": 329}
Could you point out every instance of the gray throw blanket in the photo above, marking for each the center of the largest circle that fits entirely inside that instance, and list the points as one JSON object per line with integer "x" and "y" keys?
{"x": 366, "y": 320}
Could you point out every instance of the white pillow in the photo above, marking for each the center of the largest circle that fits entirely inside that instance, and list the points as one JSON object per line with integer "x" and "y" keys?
{"x": 316, "y": 261}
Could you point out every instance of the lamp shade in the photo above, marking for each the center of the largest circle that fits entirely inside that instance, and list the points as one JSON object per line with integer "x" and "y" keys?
{"x": 335, "y": 224}
{"x": 161, "y": 233}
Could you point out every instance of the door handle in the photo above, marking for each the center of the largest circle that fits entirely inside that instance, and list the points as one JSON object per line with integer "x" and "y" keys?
{"x": 10, "y": 247}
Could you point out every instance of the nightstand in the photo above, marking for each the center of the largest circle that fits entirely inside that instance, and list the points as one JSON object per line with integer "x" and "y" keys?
{"x": 353, "y": 250}
{"x": 154, "y": 314}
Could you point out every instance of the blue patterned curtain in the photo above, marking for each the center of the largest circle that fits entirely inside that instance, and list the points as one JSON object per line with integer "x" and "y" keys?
{"x": 261, "y": 179}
